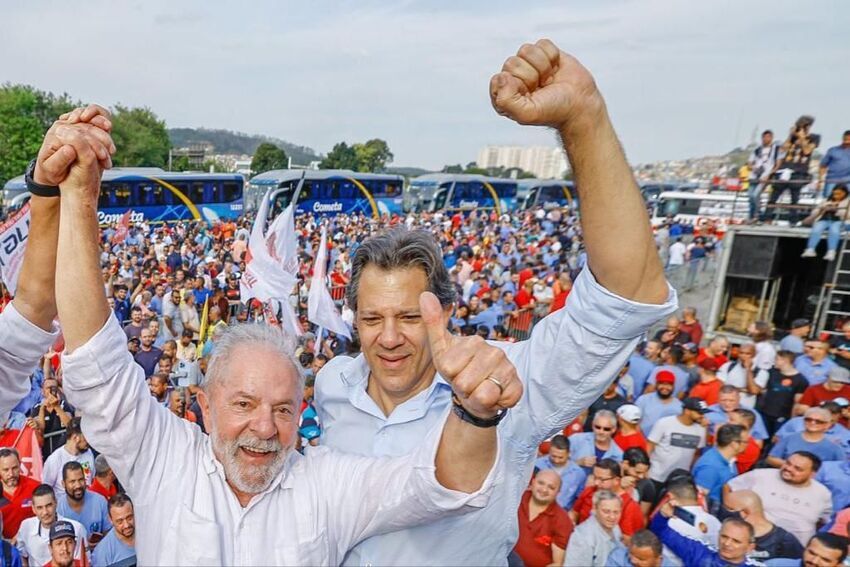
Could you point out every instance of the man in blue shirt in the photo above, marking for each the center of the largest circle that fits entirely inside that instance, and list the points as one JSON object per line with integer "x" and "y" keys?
{"x": 717, "y": 465}
{"x": 573, "y": 476}
{"x": 489, "y": 317}
{"x": 835, "y": 475}
{"x": 835, "y": 166}
{"x": 88, "y": 508}
{"x": 736, "y": 540}
{"x": 640, "y": 367}
{"x": 592, "y": 446}
{"x": 660, "y": 403}
{"x": 386, "y": 400}
{"x": 815, "y": 364}
{"x": 813, "y": 439}
{"x": 118, "y": 547}
{"x": 728, "y": 401}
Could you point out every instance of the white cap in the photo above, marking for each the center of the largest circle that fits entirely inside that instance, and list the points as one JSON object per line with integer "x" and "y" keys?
{"x": 629, "y": 413}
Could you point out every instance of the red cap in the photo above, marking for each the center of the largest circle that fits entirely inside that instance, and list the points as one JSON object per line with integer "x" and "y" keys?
{"x": 709, "y": 364}
{"x": 665, "y": 377}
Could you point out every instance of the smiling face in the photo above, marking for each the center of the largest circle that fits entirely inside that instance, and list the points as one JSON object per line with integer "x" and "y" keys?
{"x": 545, "y": 487}
{"x": 608, "y": 512}
{"x": 252, "y": 412}
{"x": 393, "y": 336}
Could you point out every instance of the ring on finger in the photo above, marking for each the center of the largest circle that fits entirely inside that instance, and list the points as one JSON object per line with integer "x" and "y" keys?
{"x": 495, "y": 381}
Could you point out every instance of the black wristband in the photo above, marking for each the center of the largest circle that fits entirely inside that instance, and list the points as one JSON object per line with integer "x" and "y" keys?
{"x": 37, "y": 188}
{"x": 464, "y": 415}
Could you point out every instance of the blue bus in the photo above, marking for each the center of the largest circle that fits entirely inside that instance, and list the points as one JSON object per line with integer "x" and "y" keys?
{"x": 156, "y": 196}
{"x": 548, "y": 193}
{"x": 453, "y": 192}
{"x": 329, "y": 192}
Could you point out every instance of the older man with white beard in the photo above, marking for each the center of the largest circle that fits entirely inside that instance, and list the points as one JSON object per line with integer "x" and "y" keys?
{"x": 241, "y": 496}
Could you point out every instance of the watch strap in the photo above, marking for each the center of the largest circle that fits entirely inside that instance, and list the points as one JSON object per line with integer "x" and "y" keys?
{"x": 38, "y": 188}
{"x": 464, "y": 415}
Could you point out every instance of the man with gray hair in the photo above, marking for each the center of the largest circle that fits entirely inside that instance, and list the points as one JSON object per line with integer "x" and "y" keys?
{"x": 104, "y": 479}
{"x": 241, "y": 495}
{"x": 386, "y": 400}
{"x": 813, "y": 439}
{"x": 595, "y": 538}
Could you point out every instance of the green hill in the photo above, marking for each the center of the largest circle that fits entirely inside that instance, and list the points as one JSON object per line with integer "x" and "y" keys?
{"x": 227, "y": 142}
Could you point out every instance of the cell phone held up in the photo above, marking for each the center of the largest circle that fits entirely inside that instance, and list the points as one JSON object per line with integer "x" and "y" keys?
{"x": 684, "y": 515}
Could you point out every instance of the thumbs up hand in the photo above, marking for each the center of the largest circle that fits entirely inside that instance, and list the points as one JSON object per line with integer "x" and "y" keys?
{"x": 481, "y": 375}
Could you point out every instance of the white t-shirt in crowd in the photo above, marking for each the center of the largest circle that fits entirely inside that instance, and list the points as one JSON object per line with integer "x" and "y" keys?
{"x": 675, "y": 446}
{"x": 52, "y": 473}
{"x": 706, "y": 528}
{"x": 795, "y": 508}
{"x": 734, "y": 374}
{"x": 677, "y": 254}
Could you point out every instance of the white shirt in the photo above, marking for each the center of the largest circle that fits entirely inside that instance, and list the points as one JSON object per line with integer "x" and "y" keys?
{"x": 675, "y": 446}
{"x": 702, "y": 521}
{"x": 33, "y": 540}
{"x": 567, "y": 363}
{"x": 52, "y": 473}
{"x": 21, "y": 346}
{"x": 734, "y": 374}
{"x": 321, "y": 504}
{"x": 677, "y": 254}
{"x": 795, "y": 508}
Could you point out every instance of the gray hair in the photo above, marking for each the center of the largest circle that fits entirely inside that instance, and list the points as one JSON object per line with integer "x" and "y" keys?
{"x": 608, "y": 414}
{"x": 399, "y": 249}
{"x": 819, "y": 411}
{"x": 601, "y": 495}
{"x": 101, "y": 466}
{"x": 256, "y": 335}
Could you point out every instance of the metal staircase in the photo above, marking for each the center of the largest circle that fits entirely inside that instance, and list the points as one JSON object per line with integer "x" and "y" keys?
{"x": 834, "y": 303}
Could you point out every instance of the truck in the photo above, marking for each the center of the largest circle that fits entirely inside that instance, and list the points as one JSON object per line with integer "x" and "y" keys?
{"x": 761, "y": 276}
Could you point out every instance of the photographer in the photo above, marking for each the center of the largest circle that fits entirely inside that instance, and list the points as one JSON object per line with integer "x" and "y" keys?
{"x": 828, "y": 217}
{"x": 792, "y": 170}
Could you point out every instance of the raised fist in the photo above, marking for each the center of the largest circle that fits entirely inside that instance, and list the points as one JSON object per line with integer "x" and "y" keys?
{"x": 83, "y": 129}
{"x": 543, "y": 86}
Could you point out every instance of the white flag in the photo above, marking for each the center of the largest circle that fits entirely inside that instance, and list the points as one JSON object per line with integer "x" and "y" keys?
{"x": 13, "y": 244}
{"x": 320, "y": 306}
{"x": 272, "y": 264}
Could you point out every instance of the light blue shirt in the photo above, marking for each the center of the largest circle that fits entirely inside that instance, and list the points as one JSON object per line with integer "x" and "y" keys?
{"x": 583, "y": 445}
{"x": 815, "y": 373}
{"x": 792, "y": 343}
{"x": 566, "y": 364}
{"x": 717, "y": 417}
{"x": 653, "y": 408}
{"x": 681, "y": 384}
{"x": 825, "y": 449}
{"x": 94, "y": 516}
{"x": 111, "y": 550}
{"x": 573, "y": 479}
{"x": 835, "y": 475}
{"x": 640, "y": 368}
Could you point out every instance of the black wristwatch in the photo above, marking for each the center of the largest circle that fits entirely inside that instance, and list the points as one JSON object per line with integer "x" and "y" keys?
{"x": 37, "y": 188}
{"x": 464, "y": 415}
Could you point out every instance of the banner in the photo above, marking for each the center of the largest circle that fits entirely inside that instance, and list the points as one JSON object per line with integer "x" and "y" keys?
{"x": 320, "y": 306}
{"x": 123, "y": 228}
{"x": 13, "y": 244}
{"x": 29, "y": 449}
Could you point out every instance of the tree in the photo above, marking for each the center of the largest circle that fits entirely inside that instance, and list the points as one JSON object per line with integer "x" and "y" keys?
{"x": 140, "y": 137}
{"x": 342, "y": 156}
{"x": 373, "y": 156}
{"x": 25, "y": 116}
{"x": 268, "y": 157}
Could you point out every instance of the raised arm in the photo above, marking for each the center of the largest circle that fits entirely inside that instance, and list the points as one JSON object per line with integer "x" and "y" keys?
{"x": 544, "y": 86}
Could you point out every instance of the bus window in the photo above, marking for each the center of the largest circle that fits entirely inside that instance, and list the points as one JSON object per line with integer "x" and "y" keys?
{"x": 347, "y": 190}
{"x": 387, "y": 189}
{"x": 196, "y": 192}
{"x": 149, "y": 193}
{"x": 673, "y": 207}
{"x": 169, "y": 198}
{"x": 119, "y": 195}
{"x": 440, "y": 199}
{"x": 232, "y": 191}
{"x": 105, "y": 194}
{"x": 551, "y": 193}
{"x": 306, "y": 190}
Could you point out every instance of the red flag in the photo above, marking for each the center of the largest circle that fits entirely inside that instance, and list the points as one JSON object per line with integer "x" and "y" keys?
{"x": 28, "y": 448}
{"x": 123, "y": 228}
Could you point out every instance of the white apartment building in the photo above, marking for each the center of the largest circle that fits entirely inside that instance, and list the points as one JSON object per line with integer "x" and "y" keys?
{"x": 544, "y": 162}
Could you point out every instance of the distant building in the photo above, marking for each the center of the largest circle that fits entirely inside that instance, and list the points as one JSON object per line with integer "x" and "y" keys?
{"x": 196, "y": 154}
{"x": 544, "y": 162}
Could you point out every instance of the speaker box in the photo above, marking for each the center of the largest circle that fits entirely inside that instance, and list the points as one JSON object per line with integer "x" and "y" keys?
{"x": 753, "y": 256}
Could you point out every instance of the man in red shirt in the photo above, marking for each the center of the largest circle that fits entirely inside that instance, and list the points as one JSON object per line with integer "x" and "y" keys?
{"x": 717, "y": 349}
{"x": 607, "y": 476}
{"x": 837, "y": 385}
{"x": 544, "y": 527}
{"x": 691, "y": 325}
{"x": 708, "y": 387}
{"x": 16, "y": 499}
{"x": 104, "y": 478}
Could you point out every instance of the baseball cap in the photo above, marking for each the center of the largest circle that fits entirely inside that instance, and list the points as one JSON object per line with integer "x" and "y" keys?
{"x": 709, "y": 364}
{"x": 797, "y": 323}
{"x": 691, "y": 347}
{"x": 665, "y": 377}
{"x": 695, "y": 404}
{"x": 841, "y": 402}
{"x": 60, "y": 529}
{"x": 629, "y": 412}
{"x": 839, "y": 374}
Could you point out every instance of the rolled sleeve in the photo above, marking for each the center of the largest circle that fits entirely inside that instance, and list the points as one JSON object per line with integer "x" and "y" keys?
{"x": 22, "y": 344}
{"x": 607, "y": 314}
{"x": 100, "y": 358}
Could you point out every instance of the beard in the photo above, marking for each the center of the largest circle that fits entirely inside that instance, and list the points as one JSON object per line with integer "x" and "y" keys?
{"x": 249, "y": 479}
{"x": 664, "y": 395}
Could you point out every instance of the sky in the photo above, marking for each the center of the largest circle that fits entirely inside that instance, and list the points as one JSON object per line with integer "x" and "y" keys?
{"x": 681, "y": 78}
